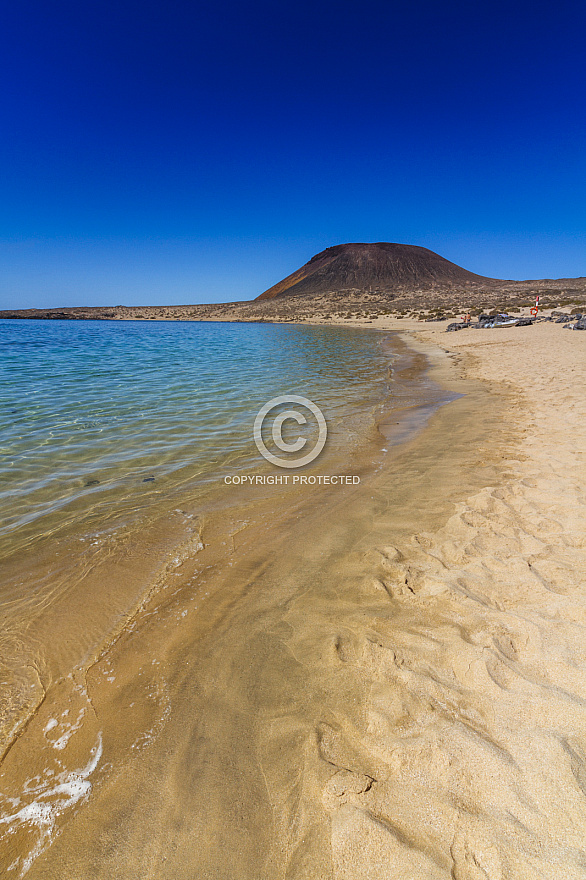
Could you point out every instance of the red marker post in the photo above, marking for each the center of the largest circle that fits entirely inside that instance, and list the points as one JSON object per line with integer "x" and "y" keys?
{"x": 535, "y": 308}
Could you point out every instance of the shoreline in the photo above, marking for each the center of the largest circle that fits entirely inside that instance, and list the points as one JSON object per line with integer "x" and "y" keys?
{"x": 123, "y": 559}
{"x": 129, "y": 573}
{"x": 393, "y": 662}
{"x": 431, "y": 300}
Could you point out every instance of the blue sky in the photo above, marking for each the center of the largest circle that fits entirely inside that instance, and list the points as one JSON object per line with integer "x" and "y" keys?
{"x": 159, "y": 153}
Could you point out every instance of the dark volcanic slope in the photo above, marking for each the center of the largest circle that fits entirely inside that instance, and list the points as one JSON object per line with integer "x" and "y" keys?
{"x": 380, "y": 266}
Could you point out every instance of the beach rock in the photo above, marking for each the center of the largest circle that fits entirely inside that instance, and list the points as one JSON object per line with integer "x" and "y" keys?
{"x": 524, "y": 322}
{"x": 562, "y": 318}
{"x": 460, "y": 325}
{"x": 580, "y": 324}
{"x": 149, "y": 480}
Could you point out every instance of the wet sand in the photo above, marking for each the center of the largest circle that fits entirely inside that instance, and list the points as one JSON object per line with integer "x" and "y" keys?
{"x": 382, "y": 683}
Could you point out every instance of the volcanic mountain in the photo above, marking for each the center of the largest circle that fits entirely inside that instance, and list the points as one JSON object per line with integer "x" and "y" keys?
{"x": 377, "y": 267}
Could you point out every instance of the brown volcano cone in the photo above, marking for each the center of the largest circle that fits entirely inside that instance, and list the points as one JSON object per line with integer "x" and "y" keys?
{"x": 382, "y": 266}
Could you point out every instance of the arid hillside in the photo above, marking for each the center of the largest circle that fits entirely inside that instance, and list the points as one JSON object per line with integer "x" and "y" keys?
{"x": 380, "y": 267}
{"x": 351, "y": 281}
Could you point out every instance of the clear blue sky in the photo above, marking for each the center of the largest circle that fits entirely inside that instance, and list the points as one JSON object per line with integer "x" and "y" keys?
{"x": 165, "y": 152}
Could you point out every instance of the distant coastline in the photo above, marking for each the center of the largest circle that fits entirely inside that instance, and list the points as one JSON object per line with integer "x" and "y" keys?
{"x": 352, "y": 280}
{"x": 348, "y": 307}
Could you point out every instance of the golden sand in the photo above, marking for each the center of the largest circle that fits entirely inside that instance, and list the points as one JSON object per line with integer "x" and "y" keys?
{"x": 477, "y": 706}
{"x": 382, "y": 683}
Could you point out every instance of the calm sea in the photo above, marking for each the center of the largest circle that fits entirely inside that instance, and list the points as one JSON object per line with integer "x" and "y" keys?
{"x": 100, "y": 412}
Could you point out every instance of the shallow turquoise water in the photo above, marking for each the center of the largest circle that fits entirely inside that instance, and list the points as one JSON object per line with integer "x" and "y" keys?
{"x": 87, "y": 407}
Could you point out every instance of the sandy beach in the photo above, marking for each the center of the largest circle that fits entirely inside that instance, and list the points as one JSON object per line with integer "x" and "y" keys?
{"x": 476, "y": 715}
{"x": 292, "y": 441}
{"x": 387, "y": 683}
